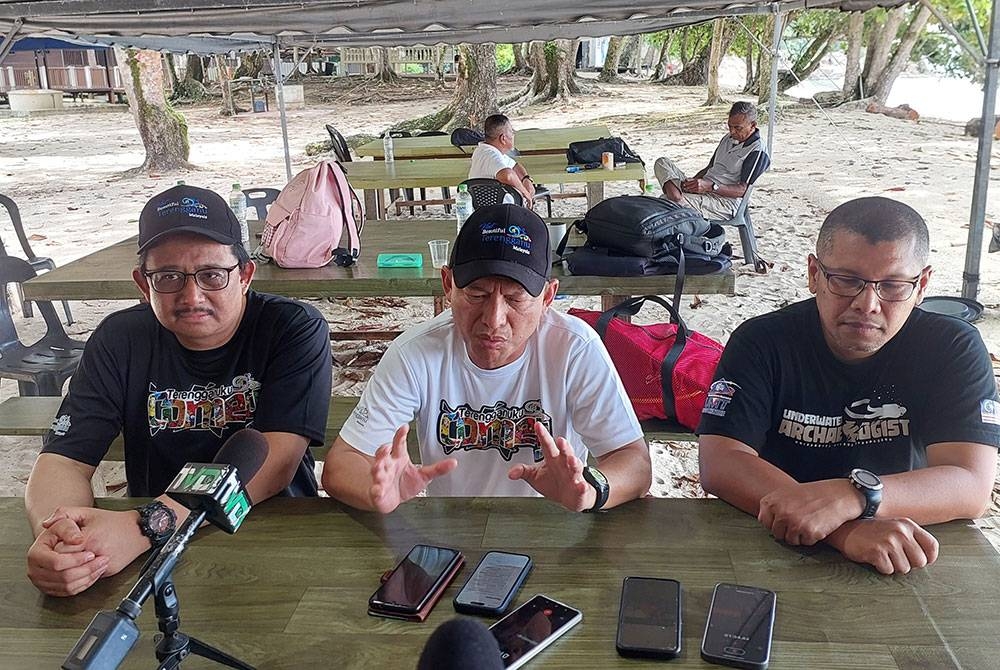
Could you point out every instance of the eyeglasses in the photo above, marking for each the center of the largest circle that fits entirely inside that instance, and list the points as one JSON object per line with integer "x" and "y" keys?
{"x": 172, "y": 281}
{"x": 849, "y": 286}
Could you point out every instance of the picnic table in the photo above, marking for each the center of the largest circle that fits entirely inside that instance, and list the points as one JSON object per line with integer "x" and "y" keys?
{"x": 527, "y": 142}
{"x": 376, "y": 176}
{"x": 107, "y": 273}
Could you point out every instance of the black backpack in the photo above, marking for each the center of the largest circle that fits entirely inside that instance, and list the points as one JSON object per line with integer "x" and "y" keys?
{"x": 589, "y": 151}
{"x": 466, "y": 137}
{"x": 632, "y": 235}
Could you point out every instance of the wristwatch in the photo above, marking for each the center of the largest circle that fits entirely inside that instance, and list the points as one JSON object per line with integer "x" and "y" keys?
{"x": 715, "y": 187}
{"x": 871, "y": 488}
{"x": 596, "y": 478}
{"x": 157, "y": 522}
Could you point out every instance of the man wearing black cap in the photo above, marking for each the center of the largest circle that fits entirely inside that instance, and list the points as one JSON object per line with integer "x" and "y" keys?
{"x": 509, "y": 395}
{"x": 202, "y": 358}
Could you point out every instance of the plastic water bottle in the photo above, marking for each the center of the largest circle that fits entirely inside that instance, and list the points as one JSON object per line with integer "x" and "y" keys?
{"x": 238, "y": 203}
{"x": 650, "y": 190}
{"x": 463, "y": 205}
{"x": 387, "y": 147}
{"x": 508, "y": 199}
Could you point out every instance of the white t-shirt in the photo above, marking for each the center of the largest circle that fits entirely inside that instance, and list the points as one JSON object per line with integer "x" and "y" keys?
{"x": 487, "y": 160}
{"x": 485, "y": 418}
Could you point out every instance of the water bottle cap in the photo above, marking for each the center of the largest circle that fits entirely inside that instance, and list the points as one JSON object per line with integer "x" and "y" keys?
{"x": 236, "y": 187}
{"x": 462, "y": 188}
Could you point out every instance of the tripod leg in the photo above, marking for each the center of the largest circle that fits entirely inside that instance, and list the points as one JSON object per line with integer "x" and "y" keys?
{"x": 199, "y": 648}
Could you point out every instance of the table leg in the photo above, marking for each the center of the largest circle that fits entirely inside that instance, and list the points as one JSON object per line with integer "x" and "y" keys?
{"x": 609, "y": 301}
{"x": 438, "y": 304}
{"x": 371, "y": 204}
{"x": 595, "y": 193}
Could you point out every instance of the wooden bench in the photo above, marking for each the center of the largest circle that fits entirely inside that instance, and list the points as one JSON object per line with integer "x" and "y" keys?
{"x": 32, "y": 415}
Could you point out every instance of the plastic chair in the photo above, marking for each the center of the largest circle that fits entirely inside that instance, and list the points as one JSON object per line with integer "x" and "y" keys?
{"x": 340, "y": 148}
{"x": 259, "y": 198}
{"x": 741, "y": 221}
{"x": 37, "y": 262}
{"x": 487, "y": 192}
{"x": 43, "y": 367}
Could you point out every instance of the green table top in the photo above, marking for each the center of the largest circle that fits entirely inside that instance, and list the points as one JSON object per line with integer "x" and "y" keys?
{"x": 547, "y": 169}
{"x": 534, "y": 141}
{"x": 107, "y": 274}
{"x": 290, "y": 589}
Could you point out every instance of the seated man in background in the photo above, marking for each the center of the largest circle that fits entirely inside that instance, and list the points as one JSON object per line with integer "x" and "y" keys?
{"x": 490, "y": 159}
{"x": 715, "y": 190}
{"x": 508, "y": 394}
{"x": 853, "y": 418}
{"x": 203, "y": 358}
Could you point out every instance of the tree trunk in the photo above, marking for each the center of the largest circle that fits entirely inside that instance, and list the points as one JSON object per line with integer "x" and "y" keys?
{"x": 855, "y": 39}
{"x": 251, "y": 64}
{"x": 439, "y": 52}
{"x": 228, "y": 105}
{"x": 883, "y": 85}
{"x": 476, "y": 91}
{"x": 195, "y": 69}
{"x": 560, "y": 64}
{"x": 569, "y": 65}
{"x": 609, "y": 73}
{"x": 663, "y": 59}
{"x": 694, "y": 69}
{"x": 629, "y": 52}
{"x": 811, "y": 57}
{"x": 384, "y": 70}
{"x": 714, "y": 58}
{"x": 880, "y": 45}
{"x": 764, "y": 68}
{"x": 749, "y": 83}
{"x": 162, "y": 129}
{"x": 520, "y": 59}
{"x": 173, "y": 81}
{"x": 536, "y": 59}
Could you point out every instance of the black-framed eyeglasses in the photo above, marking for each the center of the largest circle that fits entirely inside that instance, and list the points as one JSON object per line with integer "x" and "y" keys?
{"x": 172, "y": 281}
{"x": 849, "y": 286}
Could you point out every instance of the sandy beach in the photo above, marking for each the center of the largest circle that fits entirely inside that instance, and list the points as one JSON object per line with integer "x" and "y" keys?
{"x": 64, "y": 171}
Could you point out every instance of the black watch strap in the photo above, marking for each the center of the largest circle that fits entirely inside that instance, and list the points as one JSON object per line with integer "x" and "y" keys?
{"x": 870, "y": 486}
{"x": 157, "y": 522}
{"x": 596, "y": 478}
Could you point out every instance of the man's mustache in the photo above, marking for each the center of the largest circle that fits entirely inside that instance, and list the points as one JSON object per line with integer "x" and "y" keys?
{"x": 193, "y": 310}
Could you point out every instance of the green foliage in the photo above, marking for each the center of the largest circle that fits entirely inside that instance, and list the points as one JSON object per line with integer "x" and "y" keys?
{"x": 505, "y": 57}
{"x": 939, "y": 48}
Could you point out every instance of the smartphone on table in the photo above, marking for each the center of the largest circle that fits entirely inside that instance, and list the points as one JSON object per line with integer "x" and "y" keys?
{"x": 533, "y": 626}
{"x": 649, "y": 618}
{"x": 493, "y": 584}
{"x": 739, "y": 627}
{"x": 411, "y": 589}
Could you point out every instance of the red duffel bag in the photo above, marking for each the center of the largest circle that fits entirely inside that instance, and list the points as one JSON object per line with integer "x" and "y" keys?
{"x": 665, "y": 367}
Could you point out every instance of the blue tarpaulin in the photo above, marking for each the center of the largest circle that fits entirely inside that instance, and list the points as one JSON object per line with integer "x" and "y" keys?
{"x": 49, "y": 43}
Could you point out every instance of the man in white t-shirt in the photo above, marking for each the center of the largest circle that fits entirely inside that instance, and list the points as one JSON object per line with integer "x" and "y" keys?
{"x": 490, "y": 159}
{"x": 491, "y": 382}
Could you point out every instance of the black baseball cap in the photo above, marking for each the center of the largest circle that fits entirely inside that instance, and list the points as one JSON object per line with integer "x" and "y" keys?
{"x": 187, "y": 209}
{"x": 505, "y": 240}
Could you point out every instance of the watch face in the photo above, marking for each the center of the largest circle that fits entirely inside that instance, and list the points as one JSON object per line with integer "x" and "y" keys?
{"x": 867, "y": 479}
{"x": 161, "y": 521}
{"x": 598, "y": 477}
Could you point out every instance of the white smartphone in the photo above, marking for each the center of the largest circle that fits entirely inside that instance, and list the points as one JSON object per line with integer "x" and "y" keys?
{"x": 531, "y": 627}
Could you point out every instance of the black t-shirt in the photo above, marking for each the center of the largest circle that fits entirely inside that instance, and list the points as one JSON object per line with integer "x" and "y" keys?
{"x": 174, "y": 406}
{"x": 780, "y": 390}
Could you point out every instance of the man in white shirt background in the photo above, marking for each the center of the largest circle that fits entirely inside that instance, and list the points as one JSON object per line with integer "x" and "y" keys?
{"x": 491, "y": 159}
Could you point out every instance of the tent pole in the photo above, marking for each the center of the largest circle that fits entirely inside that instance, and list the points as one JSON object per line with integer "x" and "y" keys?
{"x": 980, "y": 186}
{"x": 279, "y": 91}
{"x": 8, "y": 41}
{"x": 772, "y": 102}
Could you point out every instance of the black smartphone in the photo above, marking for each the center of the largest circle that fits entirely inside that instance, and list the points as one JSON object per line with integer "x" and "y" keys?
{"x": 649, "y": 618}
{"x": 739, "y": 626}
{"x": 531, "y": 627}
{"x": 415, "y": 580}
{"x": 493, "y": 584}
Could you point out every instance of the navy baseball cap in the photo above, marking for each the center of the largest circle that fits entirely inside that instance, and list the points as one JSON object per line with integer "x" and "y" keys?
{"x": 506, "y": 240}
{"x": 187, "y": 209}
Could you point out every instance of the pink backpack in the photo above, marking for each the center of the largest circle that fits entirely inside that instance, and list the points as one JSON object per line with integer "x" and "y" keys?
{"x": 305, "y": 224}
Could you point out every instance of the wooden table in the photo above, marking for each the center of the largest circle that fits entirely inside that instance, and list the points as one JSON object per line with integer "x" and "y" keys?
{"x": 107, "y": 274}
{"x": 527, "y": 142}
{"x": 376, "y": 176}
{"x": 289, "y": 590}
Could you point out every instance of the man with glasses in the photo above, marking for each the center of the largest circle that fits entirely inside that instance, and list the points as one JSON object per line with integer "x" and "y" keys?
{"x": 716, "y": 189}
{"x": 203, "y": 357}
{"x": 853, "y": 418}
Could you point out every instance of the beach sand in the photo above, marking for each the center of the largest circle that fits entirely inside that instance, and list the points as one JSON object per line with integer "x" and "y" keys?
{"x": 64, "y": 171}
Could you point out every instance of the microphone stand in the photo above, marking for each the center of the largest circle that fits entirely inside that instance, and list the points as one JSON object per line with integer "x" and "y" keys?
{"x": 173, "y": 646}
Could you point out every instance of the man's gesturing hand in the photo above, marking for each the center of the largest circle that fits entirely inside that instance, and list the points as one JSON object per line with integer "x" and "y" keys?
{"x": 559, "y": 477}
{"x": 395, "y": 479}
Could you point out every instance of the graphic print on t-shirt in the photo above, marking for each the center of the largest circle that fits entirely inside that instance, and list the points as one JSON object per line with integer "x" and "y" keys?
{"x": 506, "y": 429}
{"x": 861, "y": 423}
{"x": 207, "y": 407}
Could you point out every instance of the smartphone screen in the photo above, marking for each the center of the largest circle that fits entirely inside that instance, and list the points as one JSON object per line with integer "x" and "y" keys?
{"x": 738, "y": 631}
{"x": 649, "y": 621}
{"x": 493, "y": 583}
{"x": 532, "y": 627}
{"x": 412, "y": 582}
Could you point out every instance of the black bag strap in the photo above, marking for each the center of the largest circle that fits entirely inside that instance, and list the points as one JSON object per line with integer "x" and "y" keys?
{"x": 631, "y": 307}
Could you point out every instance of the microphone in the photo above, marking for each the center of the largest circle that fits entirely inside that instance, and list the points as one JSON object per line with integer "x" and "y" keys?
{"x": 461, "y": 644}
{"x": 213, "y": 492}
